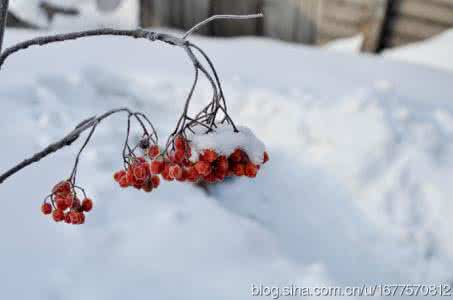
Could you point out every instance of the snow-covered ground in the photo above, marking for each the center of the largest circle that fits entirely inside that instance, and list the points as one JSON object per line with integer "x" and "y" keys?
{"x": 435, "y": 52}
{"x": 357, "y": 190}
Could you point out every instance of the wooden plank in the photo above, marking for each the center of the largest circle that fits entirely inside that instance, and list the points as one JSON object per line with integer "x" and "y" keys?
{"x": 373, "y": 27}
{"x": 344, "y": 12}
{"x": 306, "y": 22}
{"x": 279, "y": 19}
{"x": 397, "y": 41}
{"x": 243, "y": 27}
{"x": 335, "y": 29}
{"x": 407, "y": 26}
{"x": 446, "y": 3}
{"x": 155, "y": 13}
{"x": 291, "y": 20}
{"x": 358, "y": 3}
{"x": 425, "y": 10}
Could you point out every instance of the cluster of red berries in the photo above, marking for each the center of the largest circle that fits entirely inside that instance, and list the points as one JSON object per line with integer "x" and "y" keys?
{"x": 65, "y": 205}
{"x": 138, "y": 173}
{"x": 210, "y": 167}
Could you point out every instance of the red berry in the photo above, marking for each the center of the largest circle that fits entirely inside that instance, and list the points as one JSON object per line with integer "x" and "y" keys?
{"x": 138, "y": 184}
{"x": 183, "y": 175}
{"x": 250, "y": 170}
{"x": 58, "y": 197}
{"x": 187, "y": 163}
{"x": 220, "y": 174}
{"x": 117, "y": 176}
{"x": 148, "y": 186}
{"x": 67, "y": 218}
{"x": 124, "y": 181}
{"x": 61, "y": 204}
{"x": 74, "y": 217}
{"x": 188, "y": 151}
{"x": 166, "y": 173}
{"x": 175, "y": 172}
{"x": 63, "y": 188}
{"x": 244, "y": 157}
{"x": 222, "y": 164}
{"x": 211, "y": 178}
{"x": 238, "y": 169}
{"x": 180, "y": 143}
{"x": 140, "y": 171}
{"x": 157, "y": 166}
{"x": 155, "y": 180}
{"x": 68, "y": 200}
{"x": 46, "y": 208}
{"x": 153, "y": 151}
{"x": 81, "y": 217}
{"x": 203, "y": 168}
{"x": 208, "y": 155}
{"x": 58, "y": 215}
{"x": 87, "y": 204}
{"x": 236, "y": 156}
{"x": 192, "y": 174}
{"x": 179, "y": 156}
{"x": 265, "y": 157}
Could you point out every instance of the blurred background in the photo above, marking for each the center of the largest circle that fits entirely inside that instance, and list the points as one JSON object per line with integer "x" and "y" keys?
{"x": 353, "y": 100}
{"x": 378, "y": 24}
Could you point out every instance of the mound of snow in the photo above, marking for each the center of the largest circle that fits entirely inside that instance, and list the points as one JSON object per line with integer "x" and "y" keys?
{"x": 435, "y": 52}
{"x": 349, "y": 45}
{"x": 357, "y": 190}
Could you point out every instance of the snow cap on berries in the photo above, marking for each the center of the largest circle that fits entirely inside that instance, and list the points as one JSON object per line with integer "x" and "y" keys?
{"x": 224, "y": 141}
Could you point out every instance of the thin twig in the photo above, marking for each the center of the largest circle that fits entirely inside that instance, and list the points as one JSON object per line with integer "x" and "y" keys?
{"x": 216, "y": 17}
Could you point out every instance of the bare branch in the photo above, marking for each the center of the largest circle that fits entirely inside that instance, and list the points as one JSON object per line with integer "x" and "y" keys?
{"x": 205, "y": 118}
{"x": 216, "y": 17}
{"x": 3, "y": 17}
{"x": 65, "y": 141}
{"x": 138, "y": 33}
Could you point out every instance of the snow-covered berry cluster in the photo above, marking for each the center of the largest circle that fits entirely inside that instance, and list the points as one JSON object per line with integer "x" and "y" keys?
{"x": 65, "y": 205}
{"x": 208, "y": 165}
{"x": 205, "y": 146}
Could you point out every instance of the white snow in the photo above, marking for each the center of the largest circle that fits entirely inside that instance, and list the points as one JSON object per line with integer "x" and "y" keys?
{"x": 357, "y": 191}
{"x": 435, "y": 52}
{"x": 351, "y": 44}
{"x": 224, "y": 141}
{"x": 91, "y": 14}
{"x": 29, "y": 10}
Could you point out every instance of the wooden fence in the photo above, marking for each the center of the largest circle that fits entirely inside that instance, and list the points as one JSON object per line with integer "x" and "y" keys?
{"x": 384, "y": 23}
{"x": 413, "y": 20}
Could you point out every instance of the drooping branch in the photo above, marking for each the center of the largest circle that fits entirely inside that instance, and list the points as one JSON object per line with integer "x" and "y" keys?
{"x": 205, "y": 118}
{"x": 137, "y": 33}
